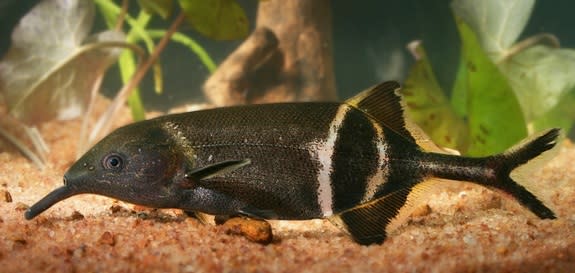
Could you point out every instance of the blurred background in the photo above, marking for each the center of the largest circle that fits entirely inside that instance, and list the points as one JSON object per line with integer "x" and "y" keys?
{"x": 370, "y": 39}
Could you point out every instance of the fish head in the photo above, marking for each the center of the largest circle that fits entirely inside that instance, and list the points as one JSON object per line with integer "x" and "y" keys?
{"x": 137, "y": 164}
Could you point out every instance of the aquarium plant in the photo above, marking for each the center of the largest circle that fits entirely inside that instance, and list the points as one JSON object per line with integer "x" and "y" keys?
{"x": 504, "y": 89}
{"x": 54, "y": 68}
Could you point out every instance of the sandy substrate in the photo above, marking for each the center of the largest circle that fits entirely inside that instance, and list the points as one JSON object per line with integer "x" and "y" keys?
{"x": 466, "y": 229}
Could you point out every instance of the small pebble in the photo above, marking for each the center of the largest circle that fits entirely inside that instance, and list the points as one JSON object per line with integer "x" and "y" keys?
{"x": 79, "y": 252}
{"x": 501, "y": 250}
{"x": 120, "y": 211}
{"x": 259, "y": 231}
{"x": 19, "y": 244}
{"x": 421, "y": 211}
{"x": 21, "y": 206}
{"x": 7, "y": 196}
{"x": 76, "y": 215}
{"x": 107, "y": 238}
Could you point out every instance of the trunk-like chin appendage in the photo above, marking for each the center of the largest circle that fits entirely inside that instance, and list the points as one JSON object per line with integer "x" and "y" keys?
{"x": 49, "y": 200}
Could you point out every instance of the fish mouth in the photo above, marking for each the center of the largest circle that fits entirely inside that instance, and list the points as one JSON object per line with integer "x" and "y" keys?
{"x": 48, "y": 201}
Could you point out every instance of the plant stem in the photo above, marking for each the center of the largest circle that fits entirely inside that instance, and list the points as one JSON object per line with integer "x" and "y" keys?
{"x": 83, "y": 139}
{"x": 38, "y": 157}
{"x": 104, "y": 123}
{"x": 190, "y": 44}
{"x": 122, "y": 15}
{"x": 542, "y": 38}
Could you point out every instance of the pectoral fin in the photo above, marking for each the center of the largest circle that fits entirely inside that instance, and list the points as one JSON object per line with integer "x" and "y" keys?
{"x": 216, "y": 169}
{"x": 256, "y": 213}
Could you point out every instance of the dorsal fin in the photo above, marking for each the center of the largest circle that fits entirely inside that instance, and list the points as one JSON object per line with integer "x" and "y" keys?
{"x": 383, "y": 104}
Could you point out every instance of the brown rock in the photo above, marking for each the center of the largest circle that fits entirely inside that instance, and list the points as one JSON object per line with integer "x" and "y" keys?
{"x": 7, "y": 196}
{"x": 21, "y": 206}
{"x": 107, "y": 238}
{"x": 259, "y": 231}
{"x": 421, "y": 211}
{"x": 76, "y": 215}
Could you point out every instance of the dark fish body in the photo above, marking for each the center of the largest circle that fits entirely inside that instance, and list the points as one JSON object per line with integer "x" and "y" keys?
{"x": 302, "y": 167}
{"x": 354, "y": 162}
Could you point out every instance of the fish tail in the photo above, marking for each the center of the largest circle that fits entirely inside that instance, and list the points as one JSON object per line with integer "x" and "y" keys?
{"x": 508, "y": 172}
{"x": 517, "y": 164}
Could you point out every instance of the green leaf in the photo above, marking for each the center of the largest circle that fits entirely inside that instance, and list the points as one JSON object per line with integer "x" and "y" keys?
{"x": 561, "y": 115}
{"x": 427, "y": 105}
{"x": 542, "y": 78}
{"x": 497, "y": 23}
{"x": 48, "y": 72}
{"x": 127, "y": 61}
{"x": 127, "y": 64}
{"x": 163, "y": 8}
{"x": 217, "y": 19}
{"x": 493, "y": 112}
{"x": 459, "y": 92}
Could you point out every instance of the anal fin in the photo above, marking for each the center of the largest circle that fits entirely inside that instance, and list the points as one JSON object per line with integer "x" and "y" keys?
{"x": 367, "y": 222}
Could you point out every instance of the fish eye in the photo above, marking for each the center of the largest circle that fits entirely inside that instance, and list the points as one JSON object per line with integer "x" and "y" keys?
{"x": 113, "y": 162}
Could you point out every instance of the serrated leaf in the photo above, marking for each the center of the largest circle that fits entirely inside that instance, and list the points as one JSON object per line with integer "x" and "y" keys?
{"x": 217, "y": 19}
{"x": 542, "y": 78}
{"x": 497, "y": 23}
{"x": 47, "y": 72}
{"x": 428, "y": 106}
{"x": 494, "y": 116}
{"x": 163, "y": 8}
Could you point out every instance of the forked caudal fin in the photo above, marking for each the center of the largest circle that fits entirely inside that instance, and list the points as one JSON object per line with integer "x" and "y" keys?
{"x": 519, "y": 162}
